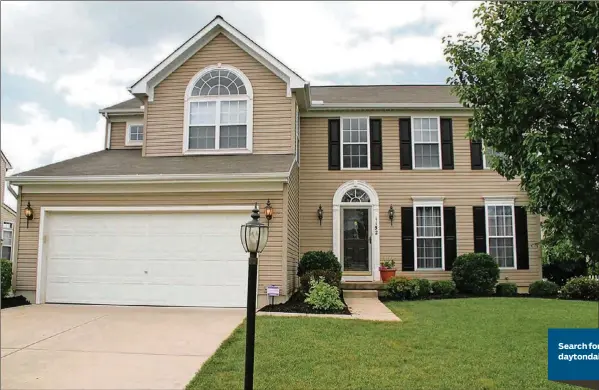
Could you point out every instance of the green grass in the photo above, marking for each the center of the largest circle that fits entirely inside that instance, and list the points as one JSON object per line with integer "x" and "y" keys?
{"x": 478, "y": 343}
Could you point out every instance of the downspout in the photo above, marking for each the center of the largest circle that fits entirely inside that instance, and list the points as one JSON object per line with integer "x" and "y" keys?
{"x": 107, "y": 131}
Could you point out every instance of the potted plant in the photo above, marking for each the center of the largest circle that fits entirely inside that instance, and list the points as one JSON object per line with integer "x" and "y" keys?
{"x": 387, "y": 269}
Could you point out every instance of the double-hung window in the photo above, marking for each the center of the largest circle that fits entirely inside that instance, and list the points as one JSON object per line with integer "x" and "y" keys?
{"x": 500, "y": 232}
{"x": 355, "y": 138}
{"x": 7, "y": 235}
{"x": 428, "y": 226}
{"x": 426, "y": 145}
{"x": 218, "y": 112}
{"x": 135, "y": 134}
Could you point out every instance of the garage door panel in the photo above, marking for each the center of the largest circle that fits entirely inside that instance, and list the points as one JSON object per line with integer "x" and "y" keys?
{"x": 178, "y": 259}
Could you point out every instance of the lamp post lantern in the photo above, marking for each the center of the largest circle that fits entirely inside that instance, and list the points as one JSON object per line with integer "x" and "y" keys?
{"x": 254, "y": 236}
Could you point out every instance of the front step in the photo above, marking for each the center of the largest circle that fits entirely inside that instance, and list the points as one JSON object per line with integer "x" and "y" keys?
{"x": 360, "y": 294}
{"x": 362, "y": 286}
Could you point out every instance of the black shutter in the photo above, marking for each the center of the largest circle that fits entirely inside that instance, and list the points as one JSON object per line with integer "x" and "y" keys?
{"x": 334, "y": 144}
{"x": 480, "y": 229}
{"x": 451, "y": 248}
{"x": 376, "y": 145}
{"x": 447, "y": 143}
{"x": 476, "y": 152}
{"x": 407, "y": 239}
{"x": 521, "y": 238}
{"x": 405, "y": 143}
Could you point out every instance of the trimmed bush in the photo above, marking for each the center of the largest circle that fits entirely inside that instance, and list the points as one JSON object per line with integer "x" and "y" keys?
{"x": 402, "y": 288}
{"x": 475, "y": 273}
{"x": 6, "y": 276}
{"x": 320, "y": 260}
{"x": 424, "y": 288}
{"x": 444, "y": 288}
{"x": 323, "y": 296}
{"x": 581, "y": 287}
{"x": 331, "y": 277}
{"x": 506, "y": 290}
{"x": 543, "y": 288}
{"x": 560, "y": 271}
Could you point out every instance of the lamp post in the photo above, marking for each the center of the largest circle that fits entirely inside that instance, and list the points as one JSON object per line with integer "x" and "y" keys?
{"x": 254, "y": 236}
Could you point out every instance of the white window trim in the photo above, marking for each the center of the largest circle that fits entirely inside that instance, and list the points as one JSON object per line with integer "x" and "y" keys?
{"x": 428, "y": 202}
{"x": 355, "y": 143}
{"x": 501, "y": 201}
{"x": 249, "y": 112}
{"x": 128, "y": 141}
{"x": 412, "y": 129}
{"x": 12, "y": 236}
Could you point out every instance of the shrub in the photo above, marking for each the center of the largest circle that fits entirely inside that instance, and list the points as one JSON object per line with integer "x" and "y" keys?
{"x": 581, "y": 287}
{"x": 323, "y": 296}
{"x": 320, "y": 260}
{"x": 506, "y": 289}
{"x": 475, "y": 273}
{"x": 543, "y": 288}
{"x": 559, "y": 271}
{"x": 402, "y": 288}
{"x": 424, "y": 288}
{"x": 6, "y": 277}
{"x": 331, "y": 277}
{"x": 444, "y": 288}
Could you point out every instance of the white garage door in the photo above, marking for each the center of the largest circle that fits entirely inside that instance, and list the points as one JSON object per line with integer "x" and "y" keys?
{"x": 171, "y": 259}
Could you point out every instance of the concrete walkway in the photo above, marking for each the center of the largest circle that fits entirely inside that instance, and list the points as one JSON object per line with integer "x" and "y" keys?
{"x": 109, "y": 347}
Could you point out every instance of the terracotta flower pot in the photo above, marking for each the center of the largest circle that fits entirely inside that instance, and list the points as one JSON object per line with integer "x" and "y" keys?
{"x": 387, "y": 274}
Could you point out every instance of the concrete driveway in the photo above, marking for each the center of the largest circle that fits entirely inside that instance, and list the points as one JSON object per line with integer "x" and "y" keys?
{"x": 109, "y": 347}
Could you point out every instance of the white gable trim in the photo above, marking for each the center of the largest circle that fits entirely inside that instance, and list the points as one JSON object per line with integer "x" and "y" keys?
{"x": 147, "y": 83}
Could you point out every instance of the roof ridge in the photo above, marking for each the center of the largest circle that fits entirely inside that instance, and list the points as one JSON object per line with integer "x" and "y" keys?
{"x": 379, "y": 85}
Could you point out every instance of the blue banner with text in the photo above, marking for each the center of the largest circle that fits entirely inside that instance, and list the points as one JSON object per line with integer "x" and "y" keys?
{"x": 573, "y": 354}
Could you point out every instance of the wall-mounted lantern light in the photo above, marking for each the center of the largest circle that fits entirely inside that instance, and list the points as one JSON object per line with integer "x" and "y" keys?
{"x": 268, "y": 211}
{"x": 391, "y": 214}
{"x": 28, "y": 213}
{"x": 320, "y": 214}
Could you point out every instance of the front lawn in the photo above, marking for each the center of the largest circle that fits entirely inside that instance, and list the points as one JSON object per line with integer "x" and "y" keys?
{"x": 477, "y": 343}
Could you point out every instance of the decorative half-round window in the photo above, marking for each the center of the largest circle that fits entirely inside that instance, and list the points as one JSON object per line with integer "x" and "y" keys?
{"x": 355, "y": 195}
{"x": 219, "y": 82}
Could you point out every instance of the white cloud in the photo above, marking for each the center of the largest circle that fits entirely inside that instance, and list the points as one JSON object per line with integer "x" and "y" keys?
{"x": 42, "y": 139}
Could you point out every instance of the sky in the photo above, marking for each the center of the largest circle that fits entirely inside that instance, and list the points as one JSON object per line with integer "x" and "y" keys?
{"x": 63, "y": 61}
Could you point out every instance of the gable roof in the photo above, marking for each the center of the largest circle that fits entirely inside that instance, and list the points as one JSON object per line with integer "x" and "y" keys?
{"x": 383, "y": 96}
{"x": 146, "y": 84}
{"x": 132, "y": 105}
{"x": 129, "y": 165}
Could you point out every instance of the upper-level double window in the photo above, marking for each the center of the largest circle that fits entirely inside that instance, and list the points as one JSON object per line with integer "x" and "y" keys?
{"x": 218, "y": 112}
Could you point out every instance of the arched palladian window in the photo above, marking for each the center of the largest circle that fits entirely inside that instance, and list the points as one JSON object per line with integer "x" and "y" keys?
{"x": 218, "y": 112}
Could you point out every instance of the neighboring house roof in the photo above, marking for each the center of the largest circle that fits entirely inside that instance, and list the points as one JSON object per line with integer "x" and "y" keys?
{"x": 8, "y": 166}
{"x": 131, "y": 105}
{"x": 129, "y": 165}
{"x": 218, "y": 25}
{"x": 9, "y": 209}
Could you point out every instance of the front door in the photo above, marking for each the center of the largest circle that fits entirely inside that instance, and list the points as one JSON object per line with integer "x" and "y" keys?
{"x": 356, "y": 241}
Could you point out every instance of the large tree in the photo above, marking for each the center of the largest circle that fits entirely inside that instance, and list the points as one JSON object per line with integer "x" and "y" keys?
{"x": 531, "y": 76}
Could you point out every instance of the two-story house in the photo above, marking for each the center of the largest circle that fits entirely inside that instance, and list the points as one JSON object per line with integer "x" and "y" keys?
{"x": 7, "y": 215}
{"x": 370, "y": 172}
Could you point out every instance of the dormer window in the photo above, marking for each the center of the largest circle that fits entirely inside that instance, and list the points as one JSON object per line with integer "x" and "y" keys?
{"x": 218, "y": 112}
{"x": 135, "y": 134}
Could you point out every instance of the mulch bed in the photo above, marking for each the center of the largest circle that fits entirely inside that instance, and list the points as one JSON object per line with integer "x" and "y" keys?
{"x": 296, "y": 304}
{"x": 19, "y": 300}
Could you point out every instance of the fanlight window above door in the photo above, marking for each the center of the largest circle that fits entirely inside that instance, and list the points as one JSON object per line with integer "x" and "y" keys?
{"x": 355, "y": 195}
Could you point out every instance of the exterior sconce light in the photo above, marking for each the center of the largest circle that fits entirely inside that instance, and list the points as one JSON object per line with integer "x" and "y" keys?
{"x": 391, "y": 213}
{"x": 268, "y": 211}
{"x": 28, "y": 213}
{"x": 320, "y": 214}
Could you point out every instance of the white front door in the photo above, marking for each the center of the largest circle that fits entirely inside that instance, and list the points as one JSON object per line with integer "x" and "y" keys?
{"x": 168, "y": 259}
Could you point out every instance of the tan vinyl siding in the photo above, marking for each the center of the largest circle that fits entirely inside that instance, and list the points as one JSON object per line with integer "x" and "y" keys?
{"x": 2, "y": 176}
{"x": 118, "y": 132}
{"x": 461, "y": 187}
{"x": 292, "y": 213}
{"x": 270, "y": 269}
{"x": 272, "y": 107}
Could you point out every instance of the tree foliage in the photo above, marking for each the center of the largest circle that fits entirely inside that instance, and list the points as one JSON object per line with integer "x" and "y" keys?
{"x": 531, "y": 76}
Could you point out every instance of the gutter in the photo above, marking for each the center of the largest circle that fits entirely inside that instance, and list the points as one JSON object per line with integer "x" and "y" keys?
{"x": 328, "y": 106}
{"x": 122, "y": 111}
{"x": 154, "y": 178}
